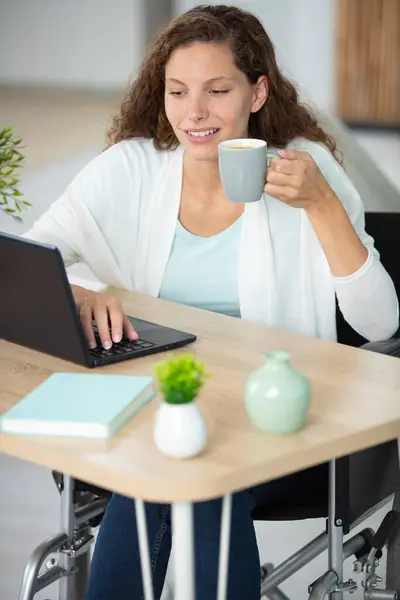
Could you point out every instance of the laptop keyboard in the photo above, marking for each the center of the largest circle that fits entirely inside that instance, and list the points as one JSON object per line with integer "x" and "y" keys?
{"x": 121, "y": 347}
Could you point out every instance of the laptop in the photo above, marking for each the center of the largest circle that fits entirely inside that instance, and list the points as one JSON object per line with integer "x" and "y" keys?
{"x": 37, "y": 310}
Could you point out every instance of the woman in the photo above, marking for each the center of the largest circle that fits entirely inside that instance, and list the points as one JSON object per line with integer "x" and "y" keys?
{"x": 150, "y": 214}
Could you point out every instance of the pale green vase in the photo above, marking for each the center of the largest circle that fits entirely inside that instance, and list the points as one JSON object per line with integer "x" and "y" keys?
{"x": 277, "y": 396}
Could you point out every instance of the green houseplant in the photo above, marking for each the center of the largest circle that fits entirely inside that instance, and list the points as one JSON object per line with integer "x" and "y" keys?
{"x": 180, "y": 429}
{"x": 11, "y": 159}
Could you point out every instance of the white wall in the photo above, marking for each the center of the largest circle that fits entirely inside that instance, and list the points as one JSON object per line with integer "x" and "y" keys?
{"x": 303, "y": 34}
{"x": 100, "y": 43}
{"x": 80, "y": 43}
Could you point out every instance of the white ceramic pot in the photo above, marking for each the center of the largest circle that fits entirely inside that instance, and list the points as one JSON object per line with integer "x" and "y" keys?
{"x": 180, "y": 430}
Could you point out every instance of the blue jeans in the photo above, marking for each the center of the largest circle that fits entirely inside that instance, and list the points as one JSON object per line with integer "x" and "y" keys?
{"x": 116, "y": 570}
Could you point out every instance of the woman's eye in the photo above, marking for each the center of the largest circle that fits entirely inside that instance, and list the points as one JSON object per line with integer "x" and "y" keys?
{"x": 218, "y": 92}
{"x": 176, "y": 94}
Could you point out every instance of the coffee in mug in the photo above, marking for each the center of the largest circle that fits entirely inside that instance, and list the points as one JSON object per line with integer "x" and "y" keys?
{"x": 243, "y": 147}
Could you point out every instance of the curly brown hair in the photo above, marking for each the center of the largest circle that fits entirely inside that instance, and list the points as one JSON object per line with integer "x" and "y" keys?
{"x": 282, "y": 118}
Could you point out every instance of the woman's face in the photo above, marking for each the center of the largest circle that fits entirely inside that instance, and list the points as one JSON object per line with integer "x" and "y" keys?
{"x": 207, "y": 99}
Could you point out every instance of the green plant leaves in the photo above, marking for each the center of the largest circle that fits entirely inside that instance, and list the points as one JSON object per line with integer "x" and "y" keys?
{"x": 10, "y": 160}
{"x": 181, "y": 378}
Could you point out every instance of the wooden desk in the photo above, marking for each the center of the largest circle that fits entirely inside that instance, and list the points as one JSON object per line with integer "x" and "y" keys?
{"x": 355, "y": 404}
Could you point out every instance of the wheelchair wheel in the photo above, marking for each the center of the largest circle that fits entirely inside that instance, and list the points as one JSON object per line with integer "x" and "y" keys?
{"x": 393, "y": 553}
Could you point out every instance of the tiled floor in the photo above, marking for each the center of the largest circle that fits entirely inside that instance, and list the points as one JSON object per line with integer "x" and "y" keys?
{"x": 60, "y": 138}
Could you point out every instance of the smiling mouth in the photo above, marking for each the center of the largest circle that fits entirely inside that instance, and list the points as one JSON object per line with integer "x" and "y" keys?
{"x": 203, "y": 133}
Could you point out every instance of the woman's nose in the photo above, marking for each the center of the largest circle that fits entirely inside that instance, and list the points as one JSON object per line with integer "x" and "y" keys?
{"x": 198, "y": 110}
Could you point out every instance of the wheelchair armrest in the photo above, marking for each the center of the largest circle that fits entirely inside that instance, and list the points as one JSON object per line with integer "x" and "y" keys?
{"x": 390, "y": 347}
{"x": 83, "y": 487}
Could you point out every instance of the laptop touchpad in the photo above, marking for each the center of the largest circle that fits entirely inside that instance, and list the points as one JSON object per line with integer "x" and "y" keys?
{"x": 141, "y": 326}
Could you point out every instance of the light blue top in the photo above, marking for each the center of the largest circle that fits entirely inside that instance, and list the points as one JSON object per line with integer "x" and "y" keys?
{"x": 202, "y": 272}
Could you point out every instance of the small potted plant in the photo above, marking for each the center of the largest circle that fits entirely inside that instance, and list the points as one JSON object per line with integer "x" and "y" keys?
{"x": 10, "y": 161}
{"x": 180, "y": 429}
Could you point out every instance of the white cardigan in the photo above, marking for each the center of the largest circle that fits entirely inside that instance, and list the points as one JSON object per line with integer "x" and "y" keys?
{"x": 119, "y": 216}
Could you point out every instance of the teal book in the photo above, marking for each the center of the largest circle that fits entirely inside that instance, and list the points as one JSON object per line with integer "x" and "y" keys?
{"x": 79, "y": 405}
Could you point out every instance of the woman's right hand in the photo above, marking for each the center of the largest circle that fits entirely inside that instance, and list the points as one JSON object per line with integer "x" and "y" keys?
{"x": 107, "y": 312}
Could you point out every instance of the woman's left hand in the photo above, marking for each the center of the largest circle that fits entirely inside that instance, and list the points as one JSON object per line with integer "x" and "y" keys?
{"x": 296, "y": 180}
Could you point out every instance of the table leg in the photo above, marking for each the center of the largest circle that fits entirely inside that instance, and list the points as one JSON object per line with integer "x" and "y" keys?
{"x": 182, "y": 527}
{"x": 224, "y": 547}
{"x": 184, "y": 567}
{"x": 144, "y": 550}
